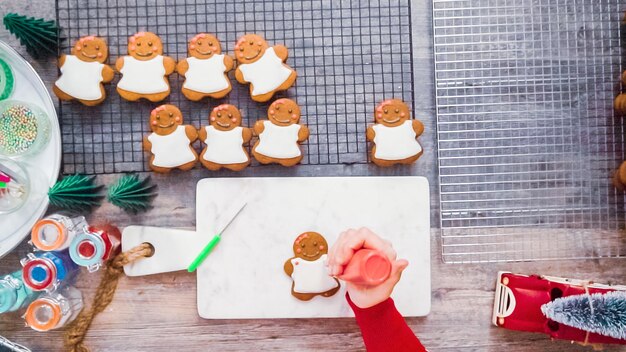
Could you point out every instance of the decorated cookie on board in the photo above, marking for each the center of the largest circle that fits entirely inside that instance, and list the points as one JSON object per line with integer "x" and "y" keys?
{"x": 84, "y": 71}
{"x": 225, "y": 140}
{"x": 394, "y": 134}
{"x": 279, "y": 137}
{"x": 144, "y": 70}
{"x": 205, "y": 69}
{"x": 170, "y": 140}
{"x": 263, "y": 67}
{"x": 308, "y": 268}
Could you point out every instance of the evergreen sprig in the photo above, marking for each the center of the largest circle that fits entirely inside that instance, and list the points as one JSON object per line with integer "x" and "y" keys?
{"x": 76, "y": 192}
{"x": 608, "y": 317}
{"x": 40, "y": 37}
{"x": 131, "y": 193}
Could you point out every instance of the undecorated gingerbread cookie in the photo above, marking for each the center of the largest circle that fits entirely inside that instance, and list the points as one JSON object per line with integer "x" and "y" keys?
{"x": 263, "y": 67}
{"x": 225, "y": 140}
{"x": 394, "y": 134}
{"x": 205, "y": 69}
{"x": 308, "y": 268}
{"x": 84, "y": 71}
{"x": 144, "y": 70}
{"x": 279, "y": 137}
{"x": 170, "y": 140}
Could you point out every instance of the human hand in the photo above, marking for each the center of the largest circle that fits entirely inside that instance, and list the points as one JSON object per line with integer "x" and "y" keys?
{"x": 342, "y": 251}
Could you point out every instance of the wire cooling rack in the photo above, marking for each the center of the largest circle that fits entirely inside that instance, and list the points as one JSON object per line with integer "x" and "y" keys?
{"x": 526, "y": 130}
{"x": 349, "y": 56}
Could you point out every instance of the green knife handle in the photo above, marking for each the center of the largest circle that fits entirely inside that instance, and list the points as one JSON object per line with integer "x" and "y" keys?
{"x": 204, "y": 253}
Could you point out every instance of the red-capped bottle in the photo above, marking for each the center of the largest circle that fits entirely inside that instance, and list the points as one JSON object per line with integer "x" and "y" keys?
{"x": 95, "y": 246}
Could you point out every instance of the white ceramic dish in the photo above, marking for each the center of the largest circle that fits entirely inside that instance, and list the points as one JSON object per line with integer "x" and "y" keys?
{"x": 43, "y": 168}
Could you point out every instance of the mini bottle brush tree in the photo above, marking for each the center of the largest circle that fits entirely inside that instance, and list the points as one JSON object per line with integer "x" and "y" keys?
{"x": 608, "y": 316}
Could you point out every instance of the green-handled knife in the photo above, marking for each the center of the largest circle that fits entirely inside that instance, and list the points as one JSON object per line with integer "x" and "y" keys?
{"x": 214, "y": 241}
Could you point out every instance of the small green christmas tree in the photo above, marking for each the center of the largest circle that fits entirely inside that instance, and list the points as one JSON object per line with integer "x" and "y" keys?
{"x": 75, "y": 192}
{"x": 40, "y": 37}
{"x": 608, "y": 317}
{"x": 132, "y": 194}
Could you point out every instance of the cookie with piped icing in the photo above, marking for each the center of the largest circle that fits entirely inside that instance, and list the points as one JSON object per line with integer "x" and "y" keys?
{"x": 394, "y": 135}
{"x": 145, "y": 69}
{"x": 263, "y": 67}
{"x": 225, "y": 140}
{"x": 307, "y": 268}
{"x": 84, "y": 71}
{"x": 169, "y": 144}
{"x": 205, "y": 69}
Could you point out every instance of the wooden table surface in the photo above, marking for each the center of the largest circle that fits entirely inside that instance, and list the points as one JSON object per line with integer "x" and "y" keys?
{"x": 158, "y": 313}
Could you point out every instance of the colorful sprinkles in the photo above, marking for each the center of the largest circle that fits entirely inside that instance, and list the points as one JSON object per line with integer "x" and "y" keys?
{"x": 18, "y": 129}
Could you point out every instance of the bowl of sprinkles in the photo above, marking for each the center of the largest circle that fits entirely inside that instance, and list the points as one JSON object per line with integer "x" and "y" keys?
{"x": 24, "y": 128}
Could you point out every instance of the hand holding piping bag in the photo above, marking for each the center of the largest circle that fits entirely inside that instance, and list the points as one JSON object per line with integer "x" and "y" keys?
{"x": 340, "y": 254}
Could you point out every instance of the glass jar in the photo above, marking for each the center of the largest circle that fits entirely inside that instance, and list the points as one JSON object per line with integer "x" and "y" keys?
{"x": 14, "y": 185}
{"x": 24, "y": 128}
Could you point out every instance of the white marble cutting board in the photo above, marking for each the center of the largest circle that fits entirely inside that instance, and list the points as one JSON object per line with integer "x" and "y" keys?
{"x": 243, "y": 277}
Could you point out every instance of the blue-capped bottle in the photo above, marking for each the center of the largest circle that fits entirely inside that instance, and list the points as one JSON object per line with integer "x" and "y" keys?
{"x": 45, "y": 271}
{"x": 14, "y": 294}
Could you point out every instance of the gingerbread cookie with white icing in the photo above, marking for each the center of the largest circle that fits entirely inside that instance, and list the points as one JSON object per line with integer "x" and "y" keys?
{"x": 263, "y": 67}
{"x": 170, "y": 140}
{"x": 225, "y": 140}
{"x": 279, "y": 137}
{"x": 394, "y": 134}
{"x": 144, "y": 70}
{"x": 84, "y": 72}
{"x": 205, "y": 69}
{"x": 308, "y": 268}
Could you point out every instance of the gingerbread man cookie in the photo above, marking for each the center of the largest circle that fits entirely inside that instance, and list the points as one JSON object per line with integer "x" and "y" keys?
{"x": 144, "y": 70}
{"x": 619, "y": 177}
{"x": 170, "y": 140}
{"x": 279, "y": 137}
{"x": 394, "y": 134}
{"x": 308, "y": 268}
{"x": 225, "y": 140}
{"x": 84, "y": 71}
{"x": 263, "y": 67}
{"x": 205, "y": 69}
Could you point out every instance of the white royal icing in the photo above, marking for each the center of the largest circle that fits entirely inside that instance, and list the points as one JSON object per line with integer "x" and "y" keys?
{"x": 172, "y": 150}
{"x": 80, "y": 79}
{"x": 396, "y": 143}
{"x": 224, "y": 147}
{"x": 280, "y": 142}
{"x": 206, "y": 75}
{"x": 143, "y": 77}
{"x": 311, "y": 276}
{"x": 266, "y": 74}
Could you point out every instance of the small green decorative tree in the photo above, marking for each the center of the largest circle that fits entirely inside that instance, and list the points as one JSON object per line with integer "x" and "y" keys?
{"x": 132, "y": 194}
{"x": 75, "y": 192}
{"x": 607, "y": 318}
{"x": 40, "y": 37}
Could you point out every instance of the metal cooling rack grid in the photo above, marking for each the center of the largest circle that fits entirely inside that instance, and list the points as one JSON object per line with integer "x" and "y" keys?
{"x": 526, "y": 131}
{"x": 349, "y": 56}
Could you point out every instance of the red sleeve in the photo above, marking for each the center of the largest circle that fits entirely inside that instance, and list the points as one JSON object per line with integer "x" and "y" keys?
{"x": 384, "y": 329}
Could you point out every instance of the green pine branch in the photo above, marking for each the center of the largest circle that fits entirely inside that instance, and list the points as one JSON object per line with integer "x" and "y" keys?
{"x": 40, "y": 37}
{"x": 76, "y": 192}
{"x": 132, "y": 194}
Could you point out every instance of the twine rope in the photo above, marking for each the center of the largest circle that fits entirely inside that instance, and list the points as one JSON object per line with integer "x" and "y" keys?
{"x": 77, "y": 330}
